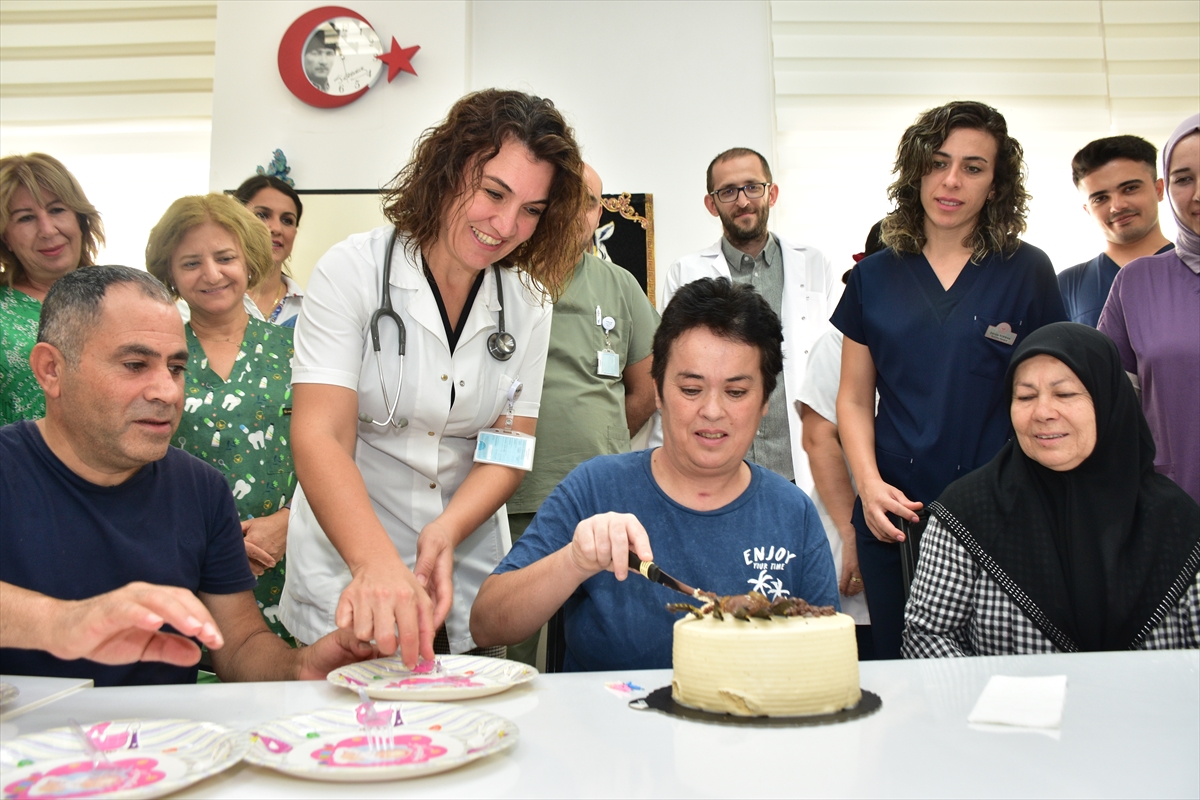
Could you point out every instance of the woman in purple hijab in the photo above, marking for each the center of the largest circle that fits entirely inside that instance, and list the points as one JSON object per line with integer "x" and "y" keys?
{"x": 1153, "y": 315}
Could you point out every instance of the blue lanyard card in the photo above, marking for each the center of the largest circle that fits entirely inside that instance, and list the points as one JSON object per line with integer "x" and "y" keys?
{"x": 505, "y": 448}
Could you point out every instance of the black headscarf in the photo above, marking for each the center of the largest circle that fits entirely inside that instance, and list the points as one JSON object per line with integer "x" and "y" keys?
{"x": 1095, "y": 556}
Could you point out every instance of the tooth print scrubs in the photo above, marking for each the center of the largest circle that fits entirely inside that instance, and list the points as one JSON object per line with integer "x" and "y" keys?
{"x": 942, "y": 409}
{"x": 242, "y": 426}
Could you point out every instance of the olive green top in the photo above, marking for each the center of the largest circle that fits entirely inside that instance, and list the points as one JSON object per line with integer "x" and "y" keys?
{"x": 583, "y": 413}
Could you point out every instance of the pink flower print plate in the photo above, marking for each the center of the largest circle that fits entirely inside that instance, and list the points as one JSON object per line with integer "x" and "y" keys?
{"x": 446, "y": 678}
{"x": 147, "y": 758}
{"x": 421, "y": 738}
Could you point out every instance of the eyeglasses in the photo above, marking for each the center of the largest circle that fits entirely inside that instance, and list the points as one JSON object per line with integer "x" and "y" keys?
{"x": 730, "y": 193}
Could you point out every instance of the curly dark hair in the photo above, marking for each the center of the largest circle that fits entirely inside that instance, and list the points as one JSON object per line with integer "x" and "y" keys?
{"x": 1002, "y": 220}
{"x": 417, "y": 199}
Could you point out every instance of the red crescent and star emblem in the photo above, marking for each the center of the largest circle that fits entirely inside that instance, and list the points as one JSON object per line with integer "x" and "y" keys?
{"x": 330, "y": 56}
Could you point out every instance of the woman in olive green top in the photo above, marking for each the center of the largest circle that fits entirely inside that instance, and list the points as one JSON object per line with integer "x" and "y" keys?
{"x": 237, "y": 400}
{"x": 47, "y": 229}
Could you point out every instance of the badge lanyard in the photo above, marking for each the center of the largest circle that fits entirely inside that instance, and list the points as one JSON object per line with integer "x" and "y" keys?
{"x": 608, "y": 363}
{"x": 504, "y": 446}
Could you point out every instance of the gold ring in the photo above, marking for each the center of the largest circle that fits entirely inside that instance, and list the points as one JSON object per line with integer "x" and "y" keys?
{"x": 856, "y": 580}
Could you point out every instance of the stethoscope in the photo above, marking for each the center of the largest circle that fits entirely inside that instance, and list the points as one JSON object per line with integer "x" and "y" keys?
{"x": 501, "y": 344}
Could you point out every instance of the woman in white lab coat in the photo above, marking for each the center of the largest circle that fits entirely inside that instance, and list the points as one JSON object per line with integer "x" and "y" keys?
{"x": 395, "y": 524}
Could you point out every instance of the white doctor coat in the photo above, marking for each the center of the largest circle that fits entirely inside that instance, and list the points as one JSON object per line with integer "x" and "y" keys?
{"x": 810, "y": 294}
{"x": 411, "y": 472}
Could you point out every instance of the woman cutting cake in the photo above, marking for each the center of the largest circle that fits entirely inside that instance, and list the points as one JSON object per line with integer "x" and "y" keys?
{"x": 1068, "y": 539}
{"x": 712, "y": 519}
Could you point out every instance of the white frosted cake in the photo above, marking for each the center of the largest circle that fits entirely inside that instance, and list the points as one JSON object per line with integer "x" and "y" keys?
{"x": 778, "y": 666}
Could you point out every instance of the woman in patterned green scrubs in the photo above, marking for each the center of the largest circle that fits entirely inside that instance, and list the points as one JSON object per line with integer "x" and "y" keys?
{"x": 238, "y": 396}
{"x": 47, "y": 229}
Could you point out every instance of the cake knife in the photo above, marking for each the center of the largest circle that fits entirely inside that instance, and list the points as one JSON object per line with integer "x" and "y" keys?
{"x": 651, "y": 572}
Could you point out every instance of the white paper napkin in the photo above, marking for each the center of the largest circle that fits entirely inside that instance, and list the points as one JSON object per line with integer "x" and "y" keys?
{"x": 1023, "y": 702}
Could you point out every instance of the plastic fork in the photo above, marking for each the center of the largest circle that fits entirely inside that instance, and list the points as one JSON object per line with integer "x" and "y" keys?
{"x": 98, "y": 756}
{"x": 376, "y": 724}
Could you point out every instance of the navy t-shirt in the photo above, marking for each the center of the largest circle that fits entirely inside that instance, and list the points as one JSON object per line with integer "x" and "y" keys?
{"x": 173, "y": 523}
{"x": 942, "y": 405}
{"x": 1085, "y": 287}
{"x": 769, "y": 540}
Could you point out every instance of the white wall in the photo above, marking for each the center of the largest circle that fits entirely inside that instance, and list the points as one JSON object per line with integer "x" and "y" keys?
{"x": 654, "y": 90}
{"x": 646, "y": 86}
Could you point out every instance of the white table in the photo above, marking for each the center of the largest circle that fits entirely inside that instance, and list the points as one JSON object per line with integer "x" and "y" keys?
{"x": 36, "y": 692}
{"x": 1131, "y": 728}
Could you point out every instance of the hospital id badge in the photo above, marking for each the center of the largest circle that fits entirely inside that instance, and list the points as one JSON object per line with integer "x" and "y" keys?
{"x": 608, "y": 364}
{"x": 505, "y": 448}
{"x": 1002, "y": 333}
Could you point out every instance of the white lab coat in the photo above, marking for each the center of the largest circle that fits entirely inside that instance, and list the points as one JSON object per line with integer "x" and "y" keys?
{"x": 411, "y": 472}
{"x": 810, "y": 293}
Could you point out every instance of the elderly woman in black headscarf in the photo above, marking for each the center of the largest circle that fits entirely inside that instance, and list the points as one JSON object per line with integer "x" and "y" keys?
{"x": 1068, "y": 539}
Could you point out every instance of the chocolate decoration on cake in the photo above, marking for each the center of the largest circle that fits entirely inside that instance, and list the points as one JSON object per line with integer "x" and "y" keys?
{"x": 745, "y": 606}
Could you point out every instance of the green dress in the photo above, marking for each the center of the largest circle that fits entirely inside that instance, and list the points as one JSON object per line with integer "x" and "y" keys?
{"x": 20, "y": 394}
{"x": 243, "y": 428}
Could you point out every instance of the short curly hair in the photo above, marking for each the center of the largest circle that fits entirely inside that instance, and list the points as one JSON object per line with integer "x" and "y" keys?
{"x": 39, "y": 173}
{"x": 417, "y": 199}
{"x": 1002, "y": 220}
{"x": 188, "y": 212}
{"x": 736, "y": 312}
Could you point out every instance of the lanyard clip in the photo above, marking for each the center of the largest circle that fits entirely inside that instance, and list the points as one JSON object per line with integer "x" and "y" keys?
{"x": 514, "y": 392}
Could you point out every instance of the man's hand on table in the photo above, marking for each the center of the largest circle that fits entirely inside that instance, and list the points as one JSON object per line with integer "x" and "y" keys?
{"x": 331, "y": 651}
{"x": 122, "y": 626}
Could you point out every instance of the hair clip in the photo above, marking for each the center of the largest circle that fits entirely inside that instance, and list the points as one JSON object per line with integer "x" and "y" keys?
{"x": 277, "y": 168}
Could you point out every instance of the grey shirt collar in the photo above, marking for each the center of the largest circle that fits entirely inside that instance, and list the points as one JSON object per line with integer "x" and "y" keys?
{"x": 771, "y": 255}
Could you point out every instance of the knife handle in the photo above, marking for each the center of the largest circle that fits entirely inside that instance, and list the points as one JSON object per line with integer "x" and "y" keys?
{"x": 648, "y": 569}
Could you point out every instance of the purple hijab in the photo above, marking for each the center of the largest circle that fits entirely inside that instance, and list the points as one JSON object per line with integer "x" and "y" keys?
{"x": 1187, "y": 246}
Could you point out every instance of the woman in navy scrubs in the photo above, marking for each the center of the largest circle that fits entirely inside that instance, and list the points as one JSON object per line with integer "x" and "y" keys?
{"x": 931, "y": 322}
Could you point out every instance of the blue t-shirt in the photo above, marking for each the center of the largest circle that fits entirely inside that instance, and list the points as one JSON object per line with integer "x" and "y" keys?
{"x": 769, "y": 540}
{"x": 173, "y": 523}
{"x": 939, "y": 358}
{"x": 1085, "y": 287}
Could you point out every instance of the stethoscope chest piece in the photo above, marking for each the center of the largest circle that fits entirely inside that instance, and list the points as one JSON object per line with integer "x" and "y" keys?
{"x": 501, "y": 345}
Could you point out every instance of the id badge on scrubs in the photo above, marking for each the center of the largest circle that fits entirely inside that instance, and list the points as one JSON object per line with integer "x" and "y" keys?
{"x": 608, "y": 363}
{"x": 504, "y": 446}
{"x": 1002, "y": 333}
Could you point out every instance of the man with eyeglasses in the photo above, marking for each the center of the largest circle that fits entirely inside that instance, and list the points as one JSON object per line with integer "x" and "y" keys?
{"x": 798, "y": 282}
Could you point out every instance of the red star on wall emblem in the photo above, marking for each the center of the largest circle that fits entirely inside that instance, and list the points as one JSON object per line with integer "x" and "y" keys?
{"x": 400, "y": 58}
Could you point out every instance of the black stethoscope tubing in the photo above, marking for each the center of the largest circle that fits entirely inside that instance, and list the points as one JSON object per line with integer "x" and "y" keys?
{"x": 501, "y": 345}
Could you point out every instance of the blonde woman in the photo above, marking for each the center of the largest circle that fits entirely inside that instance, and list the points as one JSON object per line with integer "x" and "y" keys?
{"x": 47, "y": 229}
{"x": 208, "y": 250}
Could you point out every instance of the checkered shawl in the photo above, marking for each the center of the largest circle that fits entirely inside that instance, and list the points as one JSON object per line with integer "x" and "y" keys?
{"x": 958, "y": 607}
